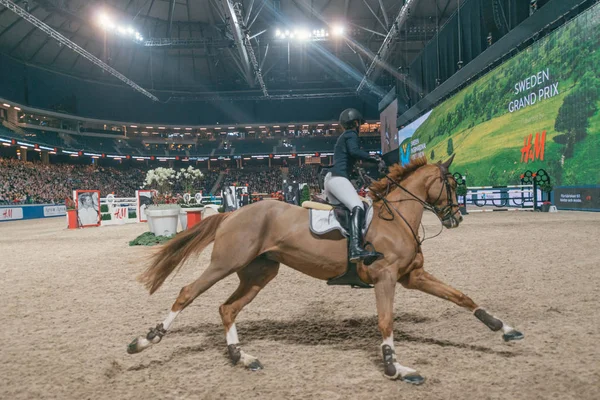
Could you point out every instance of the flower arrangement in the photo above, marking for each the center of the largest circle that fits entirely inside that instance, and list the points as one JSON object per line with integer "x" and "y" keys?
{"x": 188, "y": 177}
{"x": 162, "y": 180}
{"x": 70, "y": 204}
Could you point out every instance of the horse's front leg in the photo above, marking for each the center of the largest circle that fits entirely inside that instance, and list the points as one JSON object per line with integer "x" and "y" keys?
{"x": 425, "y": 282}
{"x": 385, "y": 288}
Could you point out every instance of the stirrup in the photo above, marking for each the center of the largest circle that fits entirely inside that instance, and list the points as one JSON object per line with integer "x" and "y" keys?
{"x": 350, "y": 277}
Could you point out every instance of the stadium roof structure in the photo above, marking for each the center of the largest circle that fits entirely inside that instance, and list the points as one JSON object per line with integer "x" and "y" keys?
{"x": 253, "y": 48}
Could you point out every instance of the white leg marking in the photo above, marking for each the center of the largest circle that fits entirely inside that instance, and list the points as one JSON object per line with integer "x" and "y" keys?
{"x": 143, "y": 343}
{"x": 232, "y": 336}
{"x": 170, "y": 318}
{"x": 400, "y": 369}
{"x": 389, "y": 341}
{"x": 247, "y": 359}
{"x": 506, "y": 329}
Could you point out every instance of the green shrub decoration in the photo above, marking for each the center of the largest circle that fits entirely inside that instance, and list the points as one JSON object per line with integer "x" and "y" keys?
{"x": 305, "y": 195}
{"x": 106, "y": 217}
{"x": 149, "y": 239}
{"x": 104, "y": 208}
{"x": 132, "y": 214}
{"x": 461, "y": 190}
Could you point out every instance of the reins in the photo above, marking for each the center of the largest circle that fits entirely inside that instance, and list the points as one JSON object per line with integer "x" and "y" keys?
{"x": 446, "y": 211}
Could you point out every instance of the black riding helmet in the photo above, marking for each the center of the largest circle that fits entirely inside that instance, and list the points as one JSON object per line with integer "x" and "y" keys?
{"x": 348, "y": 116}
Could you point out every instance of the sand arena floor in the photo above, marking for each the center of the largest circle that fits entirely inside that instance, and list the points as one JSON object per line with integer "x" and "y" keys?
{"x": 70, "y": 305}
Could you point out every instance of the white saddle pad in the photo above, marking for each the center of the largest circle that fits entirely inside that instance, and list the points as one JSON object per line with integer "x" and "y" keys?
{"x": 324, "y": 221}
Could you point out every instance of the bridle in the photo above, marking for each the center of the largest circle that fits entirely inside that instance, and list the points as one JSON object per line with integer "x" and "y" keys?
{"x": 444, "y": 213}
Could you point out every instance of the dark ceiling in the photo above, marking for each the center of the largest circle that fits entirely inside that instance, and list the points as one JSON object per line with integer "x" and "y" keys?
{"x": 210, "y": 62}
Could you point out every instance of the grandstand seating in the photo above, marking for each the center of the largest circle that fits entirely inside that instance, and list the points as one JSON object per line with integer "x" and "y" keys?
{"x": 311, "y": 144}
{"x": 222, "y": 152}
{"x": 254, "y": 146}
{"x": 136, "y": 146}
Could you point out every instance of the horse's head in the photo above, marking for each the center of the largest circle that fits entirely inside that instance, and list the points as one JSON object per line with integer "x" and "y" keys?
{"x": 441, "y": 195}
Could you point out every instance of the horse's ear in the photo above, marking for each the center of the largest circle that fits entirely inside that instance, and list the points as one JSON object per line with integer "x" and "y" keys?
{"x": 446, "y": 164}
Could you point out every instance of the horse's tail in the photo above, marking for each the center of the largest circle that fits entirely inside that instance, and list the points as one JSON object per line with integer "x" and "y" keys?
{"x": 178, "y": 249}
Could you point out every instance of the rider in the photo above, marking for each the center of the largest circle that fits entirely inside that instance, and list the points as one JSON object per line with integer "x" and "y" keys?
{"x": 339, "y": 189}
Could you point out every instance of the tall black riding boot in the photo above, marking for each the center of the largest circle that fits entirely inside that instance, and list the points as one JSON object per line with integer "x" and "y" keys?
{"x": 355, "y": 249}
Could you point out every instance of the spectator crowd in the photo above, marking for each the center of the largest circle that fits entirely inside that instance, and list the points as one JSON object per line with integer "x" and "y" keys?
{"x": 34, "y": 183}
{"x": 259, "y": 180}
{"x": 305, "y": 173}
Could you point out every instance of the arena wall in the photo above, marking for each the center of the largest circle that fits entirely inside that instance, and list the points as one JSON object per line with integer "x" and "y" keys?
{"x": 19, "y": 212}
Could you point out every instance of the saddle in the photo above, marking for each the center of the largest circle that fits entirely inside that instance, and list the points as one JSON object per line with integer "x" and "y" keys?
{"x": 326, "y": 217}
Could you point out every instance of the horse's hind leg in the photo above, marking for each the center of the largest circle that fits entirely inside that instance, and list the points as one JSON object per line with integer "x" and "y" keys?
{"x": 425, "y": 282}
{"x": 252, "y": 279}
{"x": 214, "y": 273}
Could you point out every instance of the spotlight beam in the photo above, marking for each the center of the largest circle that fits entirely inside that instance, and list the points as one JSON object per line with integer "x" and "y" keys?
{"x": 368, "y": 30}
{"x": 375, "y": 15}
{"x": 386, "y": 46}
{"x": 73, "y": 46}
{"x": 385, "y": 16}
{"x": 170, "y": 22}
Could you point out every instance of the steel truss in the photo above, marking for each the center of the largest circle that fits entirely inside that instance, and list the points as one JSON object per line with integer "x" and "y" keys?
{"x": 73, "y": 46}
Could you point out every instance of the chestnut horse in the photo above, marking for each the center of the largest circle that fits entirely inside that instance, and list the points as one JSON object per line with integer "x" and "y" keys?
{"x": 269, "y": 233}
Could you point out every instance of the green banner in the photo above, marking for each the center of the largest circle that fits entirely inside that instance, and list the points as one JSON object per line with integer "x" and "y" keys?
{"x": 540, "y": 109}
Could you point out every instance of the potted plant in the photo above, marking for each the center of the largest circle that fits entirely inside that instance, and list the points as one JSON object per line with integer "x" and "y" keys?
{"x": 72, "y": 219}
{"x": 191, "y": 207}
{"x": 162, "y": 213}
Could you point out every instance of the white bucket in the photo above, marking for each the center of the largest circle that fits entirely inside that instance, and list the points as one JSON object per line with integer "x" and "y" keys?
{"x": 163, "y": 222}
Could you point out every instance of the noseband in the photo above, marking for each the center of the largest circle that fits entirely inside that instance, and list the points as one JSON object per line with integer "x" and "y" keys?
{"x": 444, "y": 213}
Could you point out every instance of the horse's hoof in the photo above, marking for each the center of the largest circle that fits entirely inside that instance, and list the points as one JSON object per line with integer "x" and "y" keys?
{"x": 512, "y": 335}
{"x": 254, "y": 366}
{"x": 132, "y": 347}
{"x": 415, "y": 379}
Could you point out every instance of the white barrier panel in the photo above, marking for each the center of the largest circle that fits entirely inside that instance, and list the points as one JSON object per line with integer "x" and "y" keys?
{"x": 505, "y": 198}
{"x": 122, "y": 210}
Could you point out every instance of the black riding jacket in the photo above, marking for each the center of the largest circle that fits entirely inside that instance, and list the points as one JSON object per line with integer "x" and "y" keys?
{"x": 346, "y": 152}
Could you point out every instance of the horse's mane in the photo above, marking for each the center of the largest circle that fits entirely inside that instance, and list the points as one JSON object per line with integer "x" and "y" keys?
{"x": 397, "y": 172}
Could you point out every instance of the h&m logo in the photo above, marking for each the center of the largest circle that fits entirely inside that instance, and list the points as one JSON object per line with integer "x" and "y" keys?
{"x": 535, "y": 152}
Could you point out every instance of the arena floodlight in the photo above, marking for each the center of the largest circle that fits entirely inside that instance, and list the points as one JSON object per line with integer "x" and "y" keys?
{"x": 277, "y": 33}
{"x": 338, "y": 30}
{"x": 6, "y": 105}
{"x": 103, "y": 20}
{"x": 304, "y": 34}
